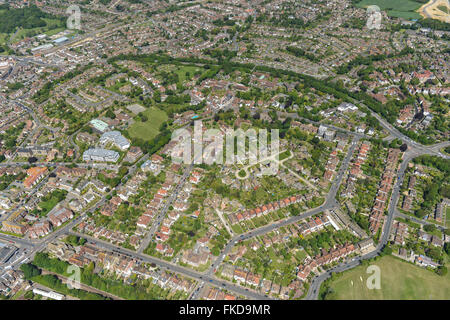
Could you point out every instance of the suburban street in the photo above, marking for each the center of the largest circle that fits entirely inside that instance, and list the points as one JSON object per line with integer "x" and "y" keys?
{"x": 414, "y": 150}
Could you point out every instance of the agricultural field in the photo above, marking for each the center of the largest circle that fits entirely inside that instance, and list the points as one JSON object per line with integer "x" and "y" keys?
{"x": 406, "y": 9}
{"x": 399, "y": 280}
{"x": 148, "y": 129}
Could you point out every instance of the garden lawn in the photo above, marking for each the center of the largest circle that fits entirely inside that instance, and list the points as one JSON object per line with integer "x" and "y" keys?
{"x": 149, "y": 129}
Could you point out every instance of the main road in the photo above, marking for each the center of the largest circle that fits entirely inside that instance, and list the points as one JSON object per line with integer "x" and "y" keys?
{"x": 165, "y": 265}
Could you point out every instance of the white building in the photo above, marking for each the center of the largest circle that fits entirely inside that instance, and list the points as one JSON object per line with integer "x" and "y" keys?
{"x": 115, "y": 137}
{"x": 102, "y": 155}
{"x": 345, "y": 106}
{"x": 48, "y": 294}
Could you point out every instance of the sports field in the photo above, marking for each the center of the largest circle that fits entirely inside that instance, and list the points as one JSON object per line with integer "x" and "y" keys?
{"x": 150, "y": 128}
{"x": 399, "y": 280}
{"x": 406, "y": 9}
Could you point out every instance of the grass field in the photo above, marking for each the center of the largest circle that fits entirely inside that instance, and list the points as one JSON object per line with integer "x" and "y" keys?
{"x": 181, "y": 71}
{"x": 399, "y": 280}
{"x": 399, "y": 8}
{"x": 149, "y": 129}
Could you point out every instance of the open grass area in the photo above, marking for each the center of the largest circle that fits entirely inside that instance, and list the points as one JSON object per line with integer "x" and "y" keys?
{"x": 399, "y": 280}
{"x": 182, "y": 70}
{"x": 284, "y": 155}
{"x": 399, "y": 8}
{"x": 150, "y": 128}
{"x": 50, "y": 201}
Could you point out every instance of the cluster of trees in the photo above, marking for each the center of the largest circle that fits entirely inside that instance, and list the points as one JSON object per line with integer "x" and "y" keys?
{"x": 424, "y": 23}
{"x": 113, "y": 182}
{"x": 9, "y": 138}
{"x": 222, "y": 56}
{"x": 27, "y": 17}
{"x": 49, "y": 201}
{"x": 15, "y": 86}
{"x": 317, "y": 241}
{"x": 435, "y": 162}
{"x": 298, "y": 52}
{"x": 368, "y": 60}
{"x": 75, "y": 240}
{"x": 7, "y": 179}
{"x": 152, "y": 146}
{"x": 436, "y": 189}
{"x": 355, "y": 23}
{"x": 422, "y": 138}
{"x": 172, "y": 109}
{"x": 88, "y": 277}
{"x": 32, "y": 272}
{"x": 226, "y": 21}
{"x": 287, "y": 20}
{"x": 178, "y": 99}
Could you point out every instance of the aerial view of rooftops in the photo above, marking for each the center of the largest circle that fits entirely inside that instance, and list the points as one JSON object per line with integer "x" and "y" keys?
{"x": 241, "y": 151}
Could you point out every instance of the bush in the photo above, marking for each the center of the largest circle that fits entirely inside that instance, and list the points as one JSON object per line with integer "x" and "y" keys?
{"x": 29, "y": 270}
{"x": 429, "y": 228}
{"x": 442, "y": 270}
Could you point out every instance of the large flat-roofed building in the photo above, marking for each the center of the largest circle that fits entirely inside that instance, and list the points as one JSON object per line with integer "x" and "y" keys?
{"x": 48, "y": 294}
{"x": 115, "y": 137}
{"x": 99, "y": 125}
{"x": 102, "y": 155}
{"x": 60, "y": 40}
{"x": 6, "y": 252}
